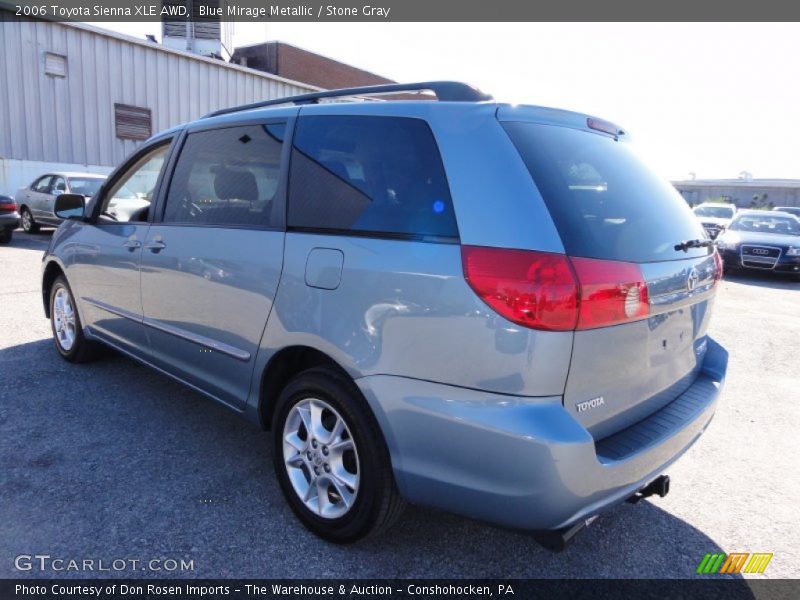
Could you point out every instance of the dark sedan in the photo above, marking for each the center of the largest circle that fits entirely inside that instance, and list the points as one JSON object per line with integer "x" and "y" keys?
{"x": 792, "y": 210}
{"x": 9, "y": 218}
{"x": 764, "y": 241}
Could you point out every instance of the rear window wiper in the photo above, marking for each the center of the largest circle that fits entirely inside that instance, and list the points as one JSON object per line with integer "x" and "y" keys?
{"x": 686, "y": 244}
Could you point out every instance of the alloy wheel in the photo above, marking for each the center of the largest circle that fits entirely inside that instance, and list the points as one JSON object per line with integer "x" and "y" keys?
{"x": 321, "y": 458}
{"x": 64, "y": 319}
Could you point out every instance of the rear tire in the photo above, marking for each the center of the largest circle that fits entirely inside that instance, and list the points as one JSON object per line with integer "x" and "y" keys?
{"x": 351, "y": 495}
{"x": 65, "y": 323}
{"x": 5, "y": 235}
{"x": 28, "y": 224}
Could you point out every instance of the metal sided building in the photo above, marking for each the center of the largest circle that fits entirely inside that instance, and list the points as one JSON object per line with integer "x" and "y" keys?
{"x": 74, "y": 97}
{"x": 744, "y": 193}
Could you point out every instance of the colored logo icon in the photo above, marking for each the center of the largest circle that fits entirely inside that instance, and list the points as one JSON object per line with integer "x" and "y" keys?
{"x": 736, "y": 562}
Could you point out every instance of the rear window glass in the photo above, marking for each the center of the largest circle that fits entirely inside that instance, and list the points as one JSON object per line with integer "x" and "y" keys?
{"x": 605, "y": 203}
{"x": 85, "y": 186}
{"x": 715, "y": 212}
{"x": 380, "y": 175}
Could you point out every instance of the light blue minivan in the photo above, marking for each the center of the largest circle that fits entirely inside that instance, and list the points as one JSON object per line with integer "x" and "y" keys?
{"x": 495, "y": 310}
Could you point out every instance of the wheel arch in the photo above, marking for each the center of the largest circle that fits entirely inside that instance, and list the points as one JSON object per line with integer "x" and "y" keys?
{"x": 51, "y": 272}
{"x": 281, "y": 368}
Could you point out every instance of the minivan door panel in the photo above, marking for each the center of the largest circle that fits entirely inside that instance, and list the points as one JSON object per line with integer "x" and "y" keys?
{"x": 105, "y": 269}
{"x": 206, "y": 295}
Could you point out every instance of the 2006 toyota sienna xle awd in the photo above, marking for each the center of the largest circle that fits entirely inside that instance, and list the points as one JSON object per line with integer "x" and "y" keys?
{"x": 491, "y": 309}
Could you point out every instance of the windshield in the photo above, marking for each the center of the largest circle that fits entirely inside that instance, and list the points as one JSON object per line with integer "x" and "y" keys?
{"x": 604, "y": 201}
{"x": 792, "y": 210}
{"x": 766, "y": 224}
{"x": 716, "y": 212}
{"x": 85, "y": 186}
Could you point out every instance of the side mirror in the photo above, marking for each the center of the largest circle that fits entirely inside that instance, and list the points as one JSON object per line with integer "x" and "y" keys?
{"x": 70, "y": 206}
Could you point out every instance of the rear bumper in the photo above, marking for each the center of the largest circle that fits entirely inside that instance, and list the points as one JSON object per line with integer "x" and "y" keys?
{"x": 9, "y": 220}
{"x": 526, "y": 462}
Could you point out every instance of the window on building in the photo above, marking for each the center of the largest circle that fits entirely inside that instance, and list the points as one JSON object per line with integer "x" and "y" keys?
{"x": 55, "y": 65}
{"x": 380, "y": 175}
{"x": 228, "y": 177}
{"x": 132, "y": 122}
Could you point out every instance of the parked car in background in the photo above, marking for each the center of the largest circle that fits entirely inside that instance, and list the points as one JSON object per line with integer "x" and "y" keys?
{"x": 491, "y": 309}
{"x": 37, "y": 200}
{"x": 762, "y": 240}
{"x": 9, "y": 218}
{"x": 714, "y": 216}
{"x": 792, "y": 210}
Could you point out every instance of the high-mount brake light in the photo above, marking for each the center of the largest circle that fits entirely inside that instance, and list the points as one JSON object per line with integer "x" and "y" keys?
{"x": 554, "y": 292}
{"x": 604, "y": 126}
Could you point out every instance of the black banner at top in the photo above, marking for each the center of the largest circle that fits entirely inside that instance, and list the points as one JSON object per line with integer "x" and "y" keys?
{"x": 404, "y": 10}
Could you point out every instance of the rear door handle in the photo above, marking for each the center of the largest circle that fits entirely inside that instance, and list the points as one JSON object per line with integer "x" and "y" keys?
{"x": 132, "y": 244}
{"x": 155, "y": 246}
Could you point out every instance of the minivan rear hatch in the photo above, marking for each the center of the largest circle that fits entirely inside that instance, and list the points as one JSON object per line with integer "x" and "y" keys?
{"x": 609, "y": 207}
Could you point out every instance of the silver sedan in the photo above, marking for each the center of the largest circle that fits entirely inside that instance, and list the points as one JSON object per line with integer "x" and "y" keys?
{"x": 37, "y": 200}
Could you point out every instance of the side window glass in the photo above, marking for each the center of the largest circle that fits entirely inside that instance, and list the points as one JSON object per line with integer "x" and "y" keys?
{"x": 58, "y": 186}
{"x": 42, "y": 185}
{"x": 381, "y": 175}
{"x": 228, "y": 177}
{"x": 130, "y": 197}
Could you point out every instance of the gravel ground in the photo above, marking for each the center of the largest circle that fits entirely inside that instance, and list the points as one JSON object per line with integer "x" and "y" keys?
{"x": 112, "y": 460}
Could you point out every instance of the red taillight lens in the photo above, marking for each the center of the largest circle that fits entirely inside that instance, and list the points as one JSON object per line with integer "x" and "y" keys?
{"x": 611, "y": 292}
{"x": 718, "y": 265}
{"x": 534, "y": 289}
{"x": 555, "y": 292}
{"x": 8, "y": 206}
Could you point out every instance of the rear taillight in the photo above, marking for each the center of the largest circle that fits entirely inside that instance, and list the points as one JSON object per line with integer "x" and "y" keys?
{"x": 718, "y": 265}
{"x": 534, "y": 289}
{"x": 7, "y": 206}
{"x": 611, "y": 292}
{"x": 553, "y": 292}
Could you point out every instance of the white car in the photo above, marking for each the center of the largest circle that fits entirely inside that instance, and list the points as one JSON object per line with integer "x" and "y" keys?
{"x": 714, "y": 216}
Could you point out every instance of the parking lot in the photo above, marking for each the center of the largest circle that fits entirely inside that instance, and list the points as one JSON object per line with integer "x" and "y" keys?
{"x": 111, "y": 460}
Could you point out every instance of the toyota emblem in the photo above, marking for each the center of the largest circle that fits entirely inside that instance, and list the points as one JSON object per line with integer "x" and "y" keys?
{"x": 691, "y": 281}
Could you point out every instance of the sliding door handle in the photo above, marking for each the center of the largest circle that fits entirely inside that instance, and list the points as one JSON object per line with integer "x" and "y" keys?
{"x": 155, "y": 246}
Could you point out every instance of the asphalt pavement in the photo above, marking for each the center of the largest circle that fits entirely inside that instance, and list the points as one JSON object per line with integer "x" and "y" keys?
{"x": 112, "y": 461}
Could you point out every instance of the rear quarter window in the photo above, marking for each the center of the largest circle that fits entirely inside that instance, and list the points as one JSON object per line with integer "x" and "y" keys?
{"x": 604, "y": 201}
{"x": 369, "y": 175}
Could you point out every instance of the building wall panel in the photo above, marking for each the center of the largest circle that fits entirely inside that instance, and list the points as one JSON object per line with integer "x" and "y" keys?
{"x": 70, "y": 120}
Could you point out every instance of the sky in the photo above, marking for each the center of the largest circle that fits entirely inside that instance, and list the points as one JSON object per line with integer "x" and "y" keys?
{"x": 708, "y": 99}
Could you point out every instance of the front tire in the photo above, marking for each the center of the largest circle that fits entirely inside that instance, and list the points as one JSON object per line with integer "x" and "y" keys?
{"x": 28, "y": 224}
{"x": 65, "y": 322}
{"x": 331, "y": 460}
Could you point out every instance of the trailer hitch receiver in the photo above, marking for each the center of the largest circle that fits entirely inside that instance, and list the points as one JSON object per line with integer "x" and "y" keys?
{"x": 659, "y": 486}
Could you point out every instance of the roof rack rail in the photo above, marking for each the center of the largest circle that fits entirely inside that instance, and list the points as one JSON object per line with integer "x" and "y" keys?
{"x": 446, "y": 91}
